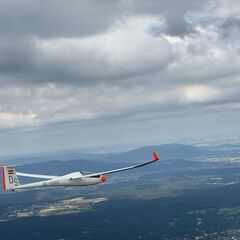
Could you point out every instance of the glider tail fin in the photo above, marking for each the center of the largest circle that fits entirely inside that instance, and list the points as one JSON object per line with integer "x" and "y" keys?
{"x": 9, "y": 178}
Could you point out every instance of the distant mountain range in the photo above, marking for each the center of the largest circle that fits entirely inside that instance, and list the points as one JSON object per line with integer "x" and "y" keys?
{"x": 65, "y": 162}
{"x": 166, "y": 151}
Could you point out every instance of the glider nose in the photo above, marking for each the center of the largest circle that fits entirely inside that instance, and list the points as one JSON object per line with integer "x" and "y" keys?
{"x": 103, "y": 178}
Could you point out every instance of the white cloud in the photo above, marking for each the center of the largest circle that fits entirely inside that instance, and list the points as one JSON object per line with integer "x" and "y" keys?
{"x": 17, "y": 120}
{"x": 198, "y": 94}
{"x": 127, "y": 49}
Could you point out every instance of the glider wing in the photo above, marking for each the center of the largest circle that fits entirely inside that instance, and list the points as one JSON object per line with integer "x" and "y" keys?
{"x": 155, "y": 158}
{"x": 35, "y": 175}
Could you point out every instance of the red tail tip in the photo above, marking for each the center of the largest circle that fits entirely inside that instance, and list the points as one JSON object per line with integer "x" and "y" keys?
{"x": 155, "y": 156}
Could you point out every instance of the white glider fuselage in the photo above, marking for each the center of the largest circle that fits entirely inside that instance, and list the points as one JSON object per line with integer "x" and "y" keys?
{"x": 63, "y": 181}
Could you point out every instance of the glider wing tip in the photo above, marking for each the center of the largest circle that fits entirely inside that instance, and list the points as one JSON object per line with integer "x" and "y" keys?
{"x": 155, "y": 156}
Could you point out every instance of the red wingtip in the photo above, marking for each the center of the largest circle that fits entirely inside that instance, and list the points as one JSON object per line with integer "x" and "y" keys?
{"x": 155, "y": 156}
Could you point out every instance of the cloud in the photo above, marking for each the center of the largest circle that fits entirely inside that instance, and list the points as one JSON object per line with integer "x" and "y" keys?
{"x": 174, "y": 12}
{"x": 61, "y": 18}
{"x": 230, "y": 28}
{"x": 53, "y": 19}
{"x": 198, "y": 94}
{"x": 125, "y": 50}
{"x": 68, "y": 66}
{"x": 17, "y": 55}
{"x": 17, "y": 120}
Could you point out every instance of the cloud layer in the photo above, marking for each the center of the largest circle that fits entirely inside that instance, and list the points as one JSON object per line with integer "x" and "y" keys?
{"x": 109, "y": 64}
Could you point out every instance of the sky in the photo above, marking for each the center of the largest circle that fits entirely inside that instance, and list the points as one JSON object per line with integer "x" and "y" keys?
{"x": 89, "y": 73}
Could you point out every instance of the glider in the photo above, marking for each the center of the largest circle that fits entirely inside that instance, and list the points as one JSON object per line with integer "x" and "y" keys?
{"x": 11, "y": 182}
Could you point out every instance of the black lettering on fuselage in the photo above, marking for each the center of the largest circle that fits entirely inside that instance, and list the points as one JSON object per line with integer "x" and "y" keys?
{"x": 51, "y": 183}
{"x": 10, "y": 179}
{"x": 13, "y": 180}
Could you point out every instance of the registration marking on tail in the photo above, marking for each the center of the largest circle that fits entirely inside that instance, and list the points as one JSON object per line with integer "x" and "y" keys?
{"x": 11, "y": 171}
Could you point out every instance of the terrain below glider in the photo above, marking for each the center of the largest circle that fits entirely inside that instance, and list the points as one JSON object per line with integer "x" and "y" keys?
{"x": 11, "y": 182}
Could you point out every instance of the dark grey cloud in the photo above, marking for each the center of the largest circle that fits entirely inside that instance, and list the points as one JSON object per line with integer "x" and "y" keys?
{"x": 83, "y": 61}
{"x": 230, "y": 27}
{"x": 17, "y": 54}
{"x": 57, "y": 18}
{"x": 174, "y": 13}
{"x": 61, "y": 18}
{"x": 23, "y": 23}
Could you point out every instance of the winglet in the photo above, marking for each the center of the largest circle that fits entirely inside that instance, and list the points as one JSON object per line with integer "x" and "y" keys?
{"x": 155, "y": 156}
